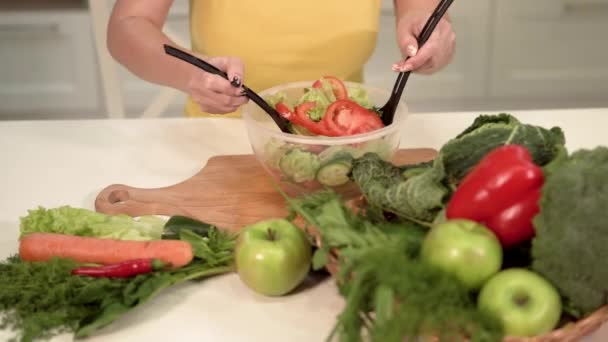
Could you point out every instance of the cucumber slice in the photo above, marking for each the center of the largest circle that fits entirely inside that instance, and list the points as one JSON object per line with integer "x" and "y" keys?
{"x": 274, "y": 150}
{"x": 178, "y": 222}
{"x": 333, "y": 152}
{"x": 299, "y": 165}
{"x": 336, "y": 172}
{"x": 380, "y": 147}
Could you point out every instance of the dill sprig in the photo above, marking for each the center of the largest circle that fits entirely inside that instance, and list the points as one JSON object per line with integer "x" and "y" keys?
{"x": 391, "y": 296}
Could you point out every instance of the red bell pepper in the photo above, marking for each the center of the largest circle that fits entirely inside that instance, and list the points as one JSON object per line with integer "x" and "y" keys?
{"x": 502, "y": 192}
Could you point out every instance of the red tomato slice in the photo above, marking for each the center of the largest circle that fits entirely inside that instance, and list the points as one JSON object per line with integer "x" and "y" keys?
{"x": 293, "y": 117}
{"x": 346, "y": 117}
{"x": 301, "y": 118}
{"x": 338, "y": 86}
{"x": 302, "y": 110}
{"x": 284, "y": 110}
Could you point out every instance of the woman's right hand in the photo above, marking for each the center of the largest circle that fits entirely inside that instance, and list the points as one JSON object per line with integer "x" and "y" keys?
{"x": 213, "y": 93}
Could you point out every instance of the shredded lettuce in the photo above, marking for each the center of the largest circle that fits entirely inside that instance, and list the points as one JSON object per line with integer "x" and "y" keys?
{"x": 328, "y": 89}
{"x": 84, "y": 222}
{"x": 276, "y": 98}
{"x": 321, "y": 97}
{"x": 317, "y": 113}
{"x": 360, "y": 96}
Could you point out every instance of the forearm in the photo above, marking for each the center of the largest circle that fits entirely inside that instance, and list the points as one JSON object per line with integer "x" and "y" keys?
{"x": 404, "y": 6}
{"x": 137, "y": 44}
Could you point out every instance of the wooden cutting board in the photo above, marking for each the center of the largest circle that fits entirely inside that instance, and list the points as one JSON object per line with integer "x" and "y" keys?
{"x": 230, "y": 191}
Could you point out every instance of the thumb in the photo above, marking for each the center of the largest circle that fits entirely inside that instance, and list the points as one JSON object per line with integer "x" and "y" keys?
{"x": 408, "y": 45}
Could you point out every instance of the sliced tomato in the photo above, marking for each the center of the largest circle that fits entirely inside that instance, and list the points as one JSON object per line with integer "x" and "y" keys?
{"x": 303, "y": 119}
{"x": 284, "y": 110}
{"x": 338, "y": 86}
{"x": 346, "y": 117}
{"x": 303, "y": 108}
{"x": 290, "y": 115}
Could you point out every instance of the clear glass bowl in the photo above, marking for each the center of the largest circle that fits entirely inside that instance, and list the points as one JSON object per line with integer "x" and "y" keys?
{"x": 302, "y": 164}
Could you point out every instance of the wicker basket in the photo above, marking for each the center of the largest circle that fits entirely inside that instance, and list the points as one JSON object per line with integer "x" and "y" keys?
{"x": 570, "y": 332}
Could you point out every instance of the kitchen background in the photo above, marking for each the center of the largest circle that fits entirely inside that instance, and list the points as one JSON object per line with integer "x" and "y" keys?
{"x": 511, "y": 54}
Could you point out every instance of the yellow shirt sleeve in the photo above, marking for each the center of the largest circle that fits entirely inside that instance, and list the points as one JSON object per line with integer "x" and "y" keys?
{"x": 283, "y": 41}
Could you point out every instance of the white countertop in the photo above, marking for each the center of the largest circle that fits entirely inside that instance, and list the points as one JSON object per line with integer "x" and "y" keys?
{"x": 53, "y": 163}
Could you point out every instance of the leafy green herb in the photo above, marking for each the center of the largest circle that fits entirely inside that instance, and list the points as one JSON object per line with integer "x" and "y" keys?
{"x": 42, "y": 299}
{"x": 340, "y": 228}
{"x": 420, "y": 192}
{"x": 216, "y": 248}
{"x": 571, "y": 244}
{"x": 377, "y": 110}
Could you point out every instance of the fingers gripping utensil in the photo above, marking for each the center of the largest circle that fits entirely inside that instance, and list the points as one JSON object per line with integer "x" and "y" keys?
{"x": 388, "y": 110}
{"x": 281, "y": 122}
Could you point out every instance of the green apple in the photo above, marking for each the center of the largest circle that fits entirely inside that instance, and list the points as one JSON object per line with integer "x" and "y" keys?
{"x": 466, "y": 249}
{"x": 272, "y": 256}
{"x": 526, "y": 303}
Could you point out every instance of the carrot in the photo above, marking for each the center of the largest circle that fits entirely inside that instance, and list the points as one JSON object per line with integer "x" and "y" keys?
{"x": 44, "y": 246}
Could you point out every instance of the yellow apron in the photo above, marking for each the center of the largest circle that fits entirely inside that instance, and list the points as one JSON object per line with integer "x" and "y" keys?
{"x": 282, "y": 41}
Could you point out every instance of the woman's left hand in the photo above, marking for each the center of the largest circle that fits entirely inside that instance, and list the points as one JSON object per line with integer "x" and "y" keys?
{"x": 436, "y": 53}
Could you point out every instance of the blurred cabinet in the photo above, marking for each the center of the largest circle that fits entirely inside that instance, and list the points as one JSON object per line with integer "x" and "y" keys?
{"x": 550, "y": 48}
{"x": 47, "y": 62}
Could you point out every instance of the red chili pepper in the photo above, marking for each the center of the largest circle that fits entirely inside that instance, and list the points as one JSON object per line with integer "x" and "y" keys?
{"x": 121, "y": 270}
{"x": 502, "y": 192}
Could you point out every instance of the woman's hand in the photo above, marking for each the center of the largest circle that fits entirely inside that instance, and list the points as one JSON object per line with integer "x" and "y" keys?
{"x": 213, "y": 93}
{"x": 436, "y": 53}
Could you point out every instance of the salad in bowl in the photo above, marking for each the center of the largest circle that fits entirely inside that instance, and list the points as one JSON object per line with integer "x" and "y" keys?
{"x": 331, "y": 123}
{"x": 328, "y": 108}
